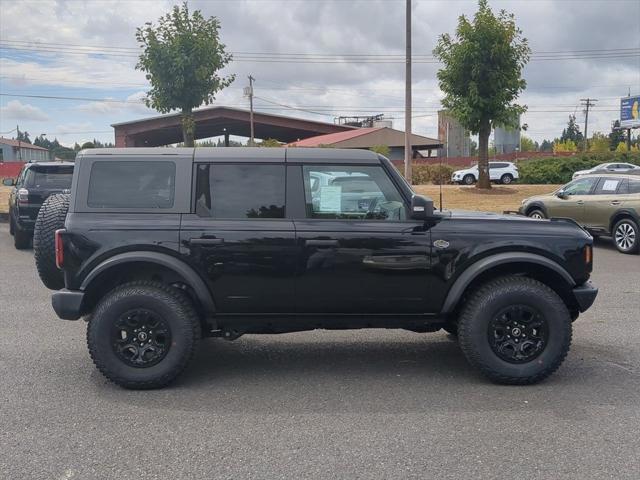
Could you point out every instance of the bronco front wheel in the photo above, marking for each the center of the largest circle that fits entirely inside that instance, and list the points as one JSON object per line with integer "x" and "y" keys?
{"x": 143, "y": 334}
{"x": 515, "y": 330}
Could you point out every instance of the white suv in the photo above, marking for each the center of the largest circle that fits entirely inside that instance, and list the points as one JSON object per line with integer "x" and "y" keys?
{"x": 503, "y": 172}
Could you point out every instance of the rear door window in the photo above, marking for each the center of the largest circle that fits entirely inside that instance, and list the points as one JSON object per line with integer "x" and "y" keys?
{"x": 132, "y": 185}
{"x": 608, "y": 186}
{"x": 236, "y": 191}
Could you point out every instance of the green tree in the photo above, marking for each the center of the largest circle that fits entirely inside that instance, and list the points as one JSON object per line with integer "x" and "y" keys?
{"x": 87, "y": 145}
{"x": 381, "y": 149}
{"x": 528, "y": 145}
{"x": 482, "y": 75}
{"x": 546, "y": 146}
{"x": 23, "y": 137}
{"x": 270, "y": 142}
{"x": 572, "y": 132}
{"x": 473, "y": 148}
{"x": 566, "y": 146}
{"x": 181, "y": 57}
{"x": 616, "y": 136}
{"x": 599, "y": 143}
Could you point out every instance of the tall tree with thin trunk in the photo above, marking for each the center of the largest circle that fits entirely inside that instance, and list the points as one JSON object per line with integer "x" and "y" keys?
{"x": 182, "y": 56}
{"x": 482, "y": 75}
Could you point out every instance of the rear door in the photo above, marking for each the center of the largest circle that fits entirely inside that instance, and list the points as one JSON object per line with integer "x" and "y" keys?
{"x": 360, "y": 253}
{"x": 599, "y": 207}
{"x": 239, "y": 238}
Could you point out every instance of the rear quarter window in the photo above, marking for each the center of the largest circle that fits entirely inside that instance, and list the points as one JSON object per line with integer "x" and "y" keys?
{"x": 132, "y": 184}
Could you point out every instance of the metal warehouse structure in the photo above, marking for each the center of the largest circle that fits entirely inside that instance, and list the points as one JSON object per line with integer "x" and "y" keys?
{"x": 219, "y": 121}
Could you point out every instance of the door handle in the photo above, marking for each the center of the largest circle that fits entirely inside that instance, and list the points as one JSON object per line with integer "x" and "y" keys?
{"x": 615, "y": 202}
{"x": 206, "y": 241}
{"x": 321, "y": 243}
{"x": 579, "y": 202}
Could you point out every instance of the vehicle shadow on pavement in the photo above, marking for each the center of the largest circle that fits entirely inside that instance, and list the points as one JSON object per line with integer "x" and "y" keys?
{"x": 322, "y": 374}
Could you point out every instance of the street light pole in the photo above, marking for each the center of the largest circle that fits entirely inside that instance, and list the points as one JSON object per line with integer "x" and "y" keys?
{"x": 407, "y": 99}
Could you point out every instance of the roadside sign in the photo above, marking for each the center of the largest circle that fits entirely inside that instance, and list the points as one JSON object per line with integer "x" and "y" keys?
{"x": 630, "y": 112}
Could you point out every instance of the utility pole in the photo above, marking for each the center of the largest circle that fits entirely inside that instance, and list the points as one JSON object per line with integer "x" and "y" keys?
{"x": 407, "y": 100}
{"x": 250, "y": 95}
{"x": 587, "y": 102}
{"x": 19, "y": 149}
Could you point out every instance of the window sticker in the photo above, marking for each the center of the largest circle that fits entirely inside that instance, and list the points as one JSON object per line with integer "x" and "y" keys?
{"x": 610, "y": 185}
{"x": 330, "y": 198}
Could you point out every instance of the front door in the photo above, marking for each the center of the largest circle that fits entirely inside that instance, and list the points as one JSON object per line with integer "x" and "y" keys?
{"x": 359, "y": 251}
{"x": 571, "y": 203}
{"x": 239, "y": 239}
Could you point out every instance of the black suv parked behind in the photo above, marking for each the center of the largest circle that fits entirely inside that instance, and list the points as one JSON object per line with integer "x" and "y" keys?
{"x": 33, "y": 185}
{"x": 163, "y": 246}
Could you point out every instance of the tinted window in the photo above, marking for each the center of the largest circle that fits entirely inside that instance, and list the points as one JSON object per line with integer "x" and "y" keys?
{"x": 634, "y": 185}
{"x": 608, "y": 186}
{"x": 351, "y": 193}
{"x": 240, "y": 191}
{"x": 498, "y": 165}
{"x": 48, "y": 177}
{"x": 132, "y": 185}
{"x": 581, "y": 186}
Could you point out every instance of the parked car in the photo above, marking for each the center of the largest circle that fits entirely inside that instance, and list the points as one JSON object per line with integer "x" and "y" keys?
{"x": 612, "y": 167}
{"x": 603, "y": 204}
{"x": 159, "y": 248}
{"x": 32, "y": 186}
{"x": 503, "y": 172}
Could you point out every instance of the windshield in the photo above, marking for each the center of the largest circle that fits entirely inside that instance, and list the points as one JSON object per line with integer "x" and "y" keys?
{"x": 54, "y": 177}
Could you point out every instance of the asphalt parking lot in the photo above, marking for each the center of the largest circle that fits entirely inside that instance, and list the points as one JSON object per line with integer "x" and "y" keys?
{"x": 358, "y": 404}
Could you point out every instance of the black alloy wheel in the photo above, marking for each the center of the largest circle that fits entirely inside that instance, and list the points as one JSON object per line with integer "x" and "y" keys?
{"x": 518, "y": 333}
{"x": 141, "y": 338}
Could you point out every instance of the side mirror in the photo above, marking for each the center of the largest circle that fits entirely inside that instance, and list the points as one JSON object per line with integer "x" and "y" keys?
{"x": 561, "y": 194}
{"x": 8, "y": 182}
{"x": 421, "y": 207}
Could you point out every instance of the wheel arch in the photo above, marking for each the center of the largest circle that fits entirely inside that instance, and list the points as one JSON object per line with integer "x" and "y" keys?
{"x": 131, "y": 266}
{"x": 536, "y": 206}
{"x": 512, "y": 263}
{"x": 623, "y": 213}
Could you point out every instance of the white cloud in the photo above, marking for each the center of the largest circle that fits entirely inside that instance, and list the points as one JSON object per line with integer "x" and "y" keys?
{"x": 133, "y": 104}
{"x": 17, "y": 110}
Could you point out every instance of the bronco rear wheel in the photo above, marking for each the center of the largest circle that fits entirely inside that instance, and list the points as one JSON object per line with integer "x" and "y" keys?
{"x": 142, "y": 335}
{"x": 50, "y": 218}
{"x": 515, "y": 330}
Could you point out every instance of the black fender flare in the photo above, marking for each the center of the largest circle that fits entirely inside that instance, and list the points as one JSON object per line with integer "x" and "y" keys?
{"x": 185, "y": 271}
{"x": 464, "y": 280}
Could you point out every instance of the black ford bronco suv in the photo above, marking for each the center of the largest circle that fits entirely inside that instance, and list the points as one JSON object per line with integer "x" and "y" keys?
{"x": 157, "y": 248}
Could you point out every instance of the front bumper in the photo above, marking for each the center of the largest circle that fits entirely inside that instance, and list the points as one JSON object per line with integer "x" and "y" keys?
{"x": 585, "y": 295}
{"x": 68, "y": 304}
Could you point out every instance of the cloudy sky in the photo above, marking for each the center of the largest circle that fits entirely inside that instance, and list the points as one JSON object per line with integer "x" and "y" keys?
{"x": 84, "y": 52}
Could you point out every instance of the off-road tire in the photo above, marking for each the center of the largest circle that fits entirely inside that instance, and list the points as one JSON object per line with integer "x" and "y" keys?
{"x": 506, "y": 179}
{"x": 11, "y": 225}
{"x": 50, "y": 218}
{"x": 486, "y": 302}
{"x": 451, "y": 328}
{"x": 536, "y": 213}
{"x": 169, "y": 303}
{"x": 21, "y": 238}
{"x": 468, "y": 179}
{"x": 631, "y": 228}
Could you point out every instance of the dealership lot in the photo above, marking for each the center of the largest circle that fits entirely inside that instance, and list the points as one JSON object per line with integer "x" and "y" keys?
{"x": 355, "y": 404}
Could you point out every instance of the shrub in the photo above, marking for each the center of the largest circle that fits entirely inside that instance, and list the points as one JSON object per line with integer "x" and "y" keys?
{"x": 423, "y": 174}
{"x": 559, "y": 170}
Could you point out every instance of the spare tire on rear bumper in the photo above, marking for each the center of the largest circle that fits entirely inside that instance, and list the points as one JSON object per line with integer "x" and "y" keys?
{"x": 51, "y": 217}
